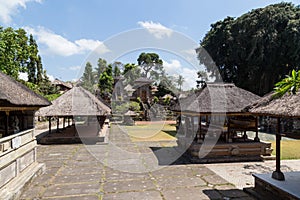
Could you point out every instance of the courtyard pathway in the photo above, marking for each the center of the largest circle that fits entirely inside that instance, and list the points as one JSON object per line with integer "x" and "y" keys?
{"x": 124, "y": 170}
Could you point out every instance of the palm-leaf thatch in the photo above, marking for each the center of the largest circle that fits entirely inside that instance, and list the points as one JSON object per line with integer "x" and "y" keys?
{"x": 13, "y": 93}
{"x": 76, "y": 102}
{"x": 217, "y": 98}
{"x": 286, "y": 106}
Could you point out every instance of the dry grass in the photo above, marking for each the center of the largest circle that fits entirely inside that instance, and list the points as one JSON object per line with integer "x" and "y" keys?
{"x": 290, "y": 149}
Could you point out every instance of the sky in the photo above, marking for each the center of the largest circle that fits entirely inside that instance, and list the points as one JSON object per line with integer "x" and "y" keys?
{"x": 71, "y": 32}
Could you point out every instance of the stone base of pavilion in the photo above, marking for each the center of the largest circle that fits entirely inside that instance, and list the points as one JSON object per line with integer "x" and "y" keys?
{"x": 77, "y": 134}
{"x": 248, "y": 150}
{"x": 268, "y": 188}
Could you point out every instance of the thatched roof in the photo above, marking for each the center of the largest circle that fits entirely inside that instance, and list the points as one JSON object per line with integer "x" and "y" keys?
{"x": 286, "y": 106}
{"x": 16, "y": 94}
{"x": 217, "y": 98}
{"x": 76, "y": 102}
{"x": 58, "y": 82}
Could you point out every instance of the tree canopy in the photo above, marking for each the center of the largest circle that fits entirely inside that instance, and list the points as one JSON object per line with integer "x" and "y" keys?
{"x": 18, "y": 54}
{"x": 255, "y": 50}
{"x": 151, "y": 64}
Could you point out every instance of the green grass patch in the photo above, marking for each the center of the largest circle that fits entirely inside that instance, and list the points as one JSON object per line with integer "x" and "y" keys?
{"x": 153, "y": 132}
{"x": 290, "y": 149}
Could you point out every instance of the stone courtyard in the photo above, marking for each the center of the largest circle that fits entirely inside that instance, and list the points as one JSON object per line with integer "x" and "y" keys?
{"x": 122, "y": 170}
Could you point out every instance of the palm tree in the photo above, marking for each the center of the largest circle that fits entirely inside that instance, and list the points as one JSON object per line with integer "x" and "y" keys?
{"x": 289, "y": 84}
{"x": 180, "y": 81}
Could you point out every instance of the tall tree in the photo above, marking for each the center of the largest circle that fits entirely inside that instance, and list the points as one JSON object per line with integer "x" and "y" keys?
{"x": 255, "y": 50}
{"x": 13, "y": 51}
{"x": 33, "y": 57}
{"x": 101, "y": 66}
{"x": 117, "y": 66}
{"x": 87, "y": 79}
{"x": 39, "y": 73}
{"x": 151, "y": 64}
{"x": 105, "y": 82}
{"x": 180, "y": 81}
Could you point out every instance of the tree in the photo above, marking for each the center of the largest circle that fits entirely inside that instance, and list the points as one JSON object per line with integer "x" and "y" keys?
{"x": 151, "y": 64}
{"x": 117, "y": 66}
{"x": 254, "y": 50}
{"x": 13, "y": 51}
{"x": 289, "y": 84}
{"x": 32, "y": 63}
{"x": 101, "y": 66}
{"x": 131, "y": 73}
{"x": 39, "y": 73}
{"x": 105, "y": 82}
{"x": 88, "y": 80}
{"x": 180, "y": 81}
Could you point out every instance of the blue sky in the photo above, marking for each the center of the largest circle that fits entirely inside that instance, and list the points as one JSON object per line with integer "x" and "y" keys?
{"x": 67, "y": 31}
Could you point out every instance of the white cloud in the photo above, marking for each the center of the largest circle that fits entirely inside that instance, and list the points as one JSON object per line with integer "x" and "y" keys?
{"x": 158, "y": 30}
{"x": 75, "y": 68}
{"x": 23, "y": 76}
{"x": 171, "y": 67}
{"x": 8, "y": 8}
{"x": 52, "y": 43}
{"x": 51, "y": 78}
{"x": 175, "y": 68}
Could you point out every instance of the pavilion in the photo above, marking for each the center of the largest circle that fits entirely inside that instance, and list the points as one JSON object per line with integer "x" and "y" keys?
{"x": 84, "y": 110}
{"x": 214, "y": 113}
{"x": 278, "y": 185}
{"x": 18, "y": 162}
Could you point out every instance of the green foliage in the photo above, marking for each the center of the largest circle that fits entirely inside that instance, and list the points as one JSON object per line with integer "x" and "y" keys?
{"x": 151, "y": 64}
{"x": 290, "y": 84}
{"x": 254, "y": 50}
{"x": 105, "y": 82}
{"x": 167, "y": 100}
{"x": 131, "y": 73}
{"x": 124, "y": 107}
{"x": 155, "y": 99}
{"x": 101, "y": 66}
{"x": 52, "y": 97}
{"x": 88, "y": 80}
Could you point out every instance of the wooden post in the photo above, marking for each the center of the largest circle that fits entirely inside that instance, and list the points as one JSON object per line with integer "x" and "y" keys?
{"x": 49, "y": 124}
{"x": 200, "y": 131}
{"x": 68, "y": 121}
{"x": 57, "y": 124}
{"x": 64, "y": 121}
{"x": 277, "y": 174}
{"x": 256, "y": 139}
{"x": 6, "y": 122}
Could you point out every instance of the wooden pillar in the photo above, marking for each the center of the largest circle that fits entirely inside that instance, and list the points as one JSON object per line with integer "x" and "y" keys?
{"x": 200, "y": 131}
{"x": 227, "y": 135}
{"x": 68, "y": 121}
{"x": 57, "y": 124}
{"x": 64, "y": 121}
{"x": 256, "y": 139}
{"x": 277, "y": 174}
{"x": 49, "y": 118}
{"x": 6, "y": 122}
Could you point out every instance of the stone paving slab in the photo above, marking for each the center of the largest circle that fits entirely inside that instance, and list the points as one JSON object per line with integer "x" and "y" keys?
{"x": 110, "y": 174}
{"x": 145, "y": 195}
